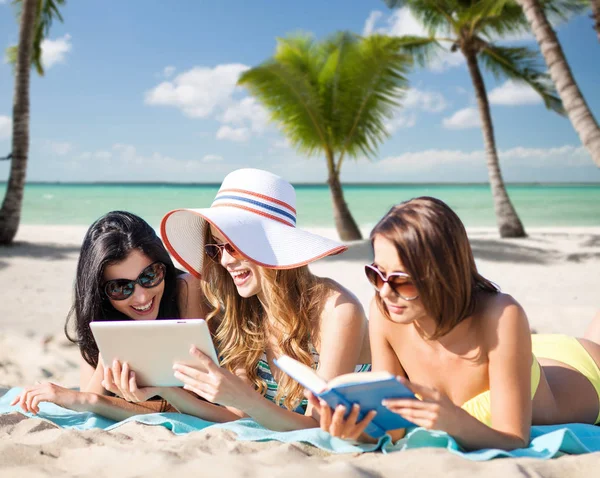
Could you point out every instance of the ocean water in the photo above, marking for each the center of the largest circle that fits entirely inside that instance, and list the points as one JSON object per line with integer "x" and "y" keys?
{"x": 547, "y": 205}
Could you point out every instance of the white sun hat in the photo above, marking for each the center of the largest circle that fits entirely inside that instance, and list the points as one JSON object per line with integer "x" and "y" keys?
{"x": 255, "y": 211}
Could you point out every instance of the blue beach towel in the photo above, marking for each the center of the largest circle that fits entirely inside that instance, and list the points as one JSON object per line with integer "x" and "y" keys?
{"x": 546, "y": 441}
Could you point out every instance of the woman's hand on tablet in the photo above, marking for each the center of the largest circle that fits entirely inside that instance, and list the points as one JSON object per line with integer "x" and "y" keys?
{"x": 121, "y": 381}
{"x": 213, "y": 383}
{"x": 29, "y": 400}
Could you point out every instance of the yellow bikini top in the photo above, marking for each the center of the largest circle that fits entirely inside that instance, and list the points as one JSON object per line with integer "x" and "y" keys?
{"x": 480, "y": 406}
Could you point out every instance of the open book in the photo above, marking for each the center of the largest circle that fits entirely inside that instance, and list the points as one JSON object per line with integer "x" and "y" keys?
{"x": 367, "y": 389}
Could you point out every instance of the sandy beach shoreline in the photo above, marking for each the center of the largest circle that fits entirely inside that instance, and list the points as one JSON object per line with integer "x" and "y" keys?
{"x": 554, "y": 273}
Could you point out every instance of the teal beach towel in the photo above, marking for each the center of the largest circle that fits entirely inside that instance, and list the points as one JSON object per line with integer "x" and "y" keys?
{"x": 546, "y": 441}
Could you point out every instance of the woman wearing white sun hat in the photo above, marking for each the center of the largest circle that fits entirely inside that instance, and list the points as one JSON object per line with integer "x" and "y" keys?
{"x": 262, "y": 301}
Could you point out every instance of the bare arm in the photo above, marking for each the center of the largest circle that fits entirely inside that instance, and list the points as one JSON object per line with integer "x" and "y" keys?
{"x": 90, "y": 379}
{"x": 343, "y": 334}
{"x": 383, "y": 355}
{"x": 510, "y": 359}
{"x": 188, "y": 403}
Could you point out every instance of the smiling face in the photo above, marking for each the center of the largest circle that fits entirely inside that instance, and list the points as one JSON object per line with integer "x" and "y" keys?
{"x": 400, "y": 310}
{"x": 245, "y": 274}
{"x": 143, "y": 304}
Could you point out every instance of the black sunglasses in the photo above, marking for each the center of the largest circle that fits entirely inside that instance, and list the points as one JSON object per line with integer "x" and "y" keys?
{"x": 121, "y": 289}
{"x": 399, "y": 282}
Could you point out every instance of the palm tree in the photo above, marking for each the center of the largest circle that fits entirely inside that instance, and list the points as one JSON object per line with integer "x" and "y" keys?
{"x": 595, "y": 4}
{"x": 470, "y": 27}
{"x": 579, "y": 113}
{"x": 35, "y": 19}
{"x": 332, "y": 97}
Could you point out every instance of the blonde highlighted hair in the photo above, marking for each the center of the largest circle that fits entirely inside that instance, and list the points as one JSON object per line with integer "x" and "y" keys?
{"x": 295, "y": 298}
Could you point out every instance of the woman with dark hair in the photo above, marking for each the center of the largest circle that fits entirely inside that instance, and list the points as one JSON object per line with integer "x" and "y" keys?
{"x": 124, "y": 272}
{"x": 466, "y": 347}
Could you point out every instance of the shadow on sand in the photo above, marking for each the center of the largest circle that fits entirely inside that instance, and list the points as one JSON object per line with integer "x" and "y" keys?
{"x": 496, "y": 250}
{"x": 37, "y": 251}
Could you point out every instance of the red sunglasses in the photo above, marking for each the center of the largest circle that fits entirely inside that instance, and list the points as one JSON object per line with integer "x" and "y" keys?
{"x": 399, "y": 282}
{"x": 215, "y": 251}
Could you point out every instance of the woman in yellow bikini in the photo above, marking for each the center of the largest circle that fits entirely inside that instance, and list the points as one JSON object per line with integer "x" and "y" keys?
{"x": 461, "y": 345}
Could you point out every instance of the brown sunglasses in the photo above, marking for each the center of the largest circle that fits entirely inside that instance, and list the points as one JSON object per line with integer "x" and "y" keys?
{"x": 399, "y": 282}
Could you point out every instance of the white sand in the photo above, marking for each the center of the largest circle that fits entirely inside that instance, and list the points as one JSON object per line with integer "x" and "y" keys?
{"x": 554, "y": 274}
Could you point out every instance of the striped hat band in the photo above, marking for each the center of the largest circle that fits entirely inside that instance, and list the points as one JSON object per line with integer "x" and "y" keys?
{"x": 260, "y": 204}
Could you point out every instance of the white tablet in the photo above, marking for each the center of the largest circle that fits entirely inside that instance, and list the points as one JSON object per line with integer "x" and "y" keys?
{"x": 151, "y": 347}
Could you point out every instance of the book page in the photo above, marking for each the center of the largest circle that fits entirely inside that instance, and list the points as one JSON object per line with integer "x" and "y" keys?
{"x": 362, "y": 377}
{"x": 303, "y": 374}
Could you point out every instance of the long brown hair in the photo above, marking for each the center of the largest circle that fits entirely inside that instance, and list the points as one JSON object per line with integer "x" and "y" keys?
{"x": 433, "y": 247}
{"x": 240, "y": 325}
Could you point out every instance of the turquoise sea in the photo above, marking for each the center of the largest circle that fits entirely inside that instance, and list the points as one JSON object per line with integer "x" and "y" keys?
{"x": 538, "y": 205}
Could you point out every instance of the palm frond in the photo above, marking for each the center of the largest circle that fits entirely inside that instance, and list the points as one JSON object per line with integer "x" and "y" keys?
{"x": 47, "y": 12}
{"x": 561, "y": 10}
{"x": 374, "y": 81}
{"x": 334, "y": 95}
{"x": 422, "y": 50}
{"x": 394, "y": 3}
{"x": 522, "y": 65}
{"x": 437, "y": 16}
{"x": 289, "y": 94}
{"x": 335, "y": 52}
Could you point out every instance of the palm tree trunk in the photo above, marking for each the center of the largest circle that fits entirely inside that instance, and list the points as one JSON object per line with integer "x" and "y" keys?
{"x": 508, "y": 221}
{"x": 596, "y": 16}
{"x": 577, "y": 109}
{"x": 10, "y": 214}
{"x": 344, "y": 222}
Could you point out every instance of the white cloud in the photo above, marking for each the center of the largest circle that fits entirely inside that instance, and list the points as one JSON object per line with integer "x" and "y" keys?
{"x": 372, "y": 19}
{"x": 5, "y": 127}
{"x": 168, "y": 71}
{"x": 59, "y": 148}
{"x": 282, "y": 143}
{"x": 200, "y": 91}
{"x": 246, "y": 111}
{"x": 563, "y": 155}
{"x": 209, "y": 93}
{"x": 402, "y": 22}
{"x": 96, "y": 156}
{"x": 55, "y": 51}
{"x": 430, "y": 101}
{"x": 401, "y": 121}
{"x": 415, "y": 100}
{"x": 211, "y": 158}
{"x": 233, "y": 134}
{"x": 511, "y": 93}
{"x": 463, "y": 119}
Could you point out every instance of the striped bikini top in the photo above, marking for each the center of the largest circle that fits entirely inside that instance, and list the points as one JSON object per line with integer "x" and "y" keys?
{"x": 264, "y": 372}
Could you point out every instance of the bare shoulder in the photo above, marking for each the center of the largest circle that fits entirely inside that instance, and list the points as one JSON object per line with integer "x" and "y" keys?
{"x": 341, "y": 304}
{"x": 502, "y": 316}
{"x": 190, "y": 297}
{"x": 378, "y": 318}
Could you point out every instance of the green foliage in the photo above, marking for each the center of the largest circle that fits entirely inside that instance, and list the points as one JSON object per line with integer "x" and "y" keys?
{"x": 47, "y": 12}
{"x": 522, "y": 64}
{"x": 473, "y": 26}
{"x": 332, "y": 96}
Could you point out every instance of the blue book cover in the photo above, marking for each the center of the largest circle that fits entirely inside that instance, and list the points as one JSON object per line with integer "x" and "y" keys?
{"x": 367, "y": 389}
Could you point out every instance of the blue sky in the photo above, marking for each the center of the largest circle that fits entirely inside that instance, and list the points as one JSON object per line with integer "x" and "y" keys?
{"x": 133, "y": 93}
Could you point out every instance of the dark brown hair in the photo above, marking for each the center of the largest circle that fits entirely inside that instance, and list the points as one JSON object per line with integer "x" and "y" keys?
{"x": 433, "y": 247}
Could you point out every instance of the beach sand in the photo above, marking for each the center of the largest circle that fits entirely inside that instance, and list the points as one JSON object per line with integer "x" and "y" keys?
{"x": 554, "y": 274}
